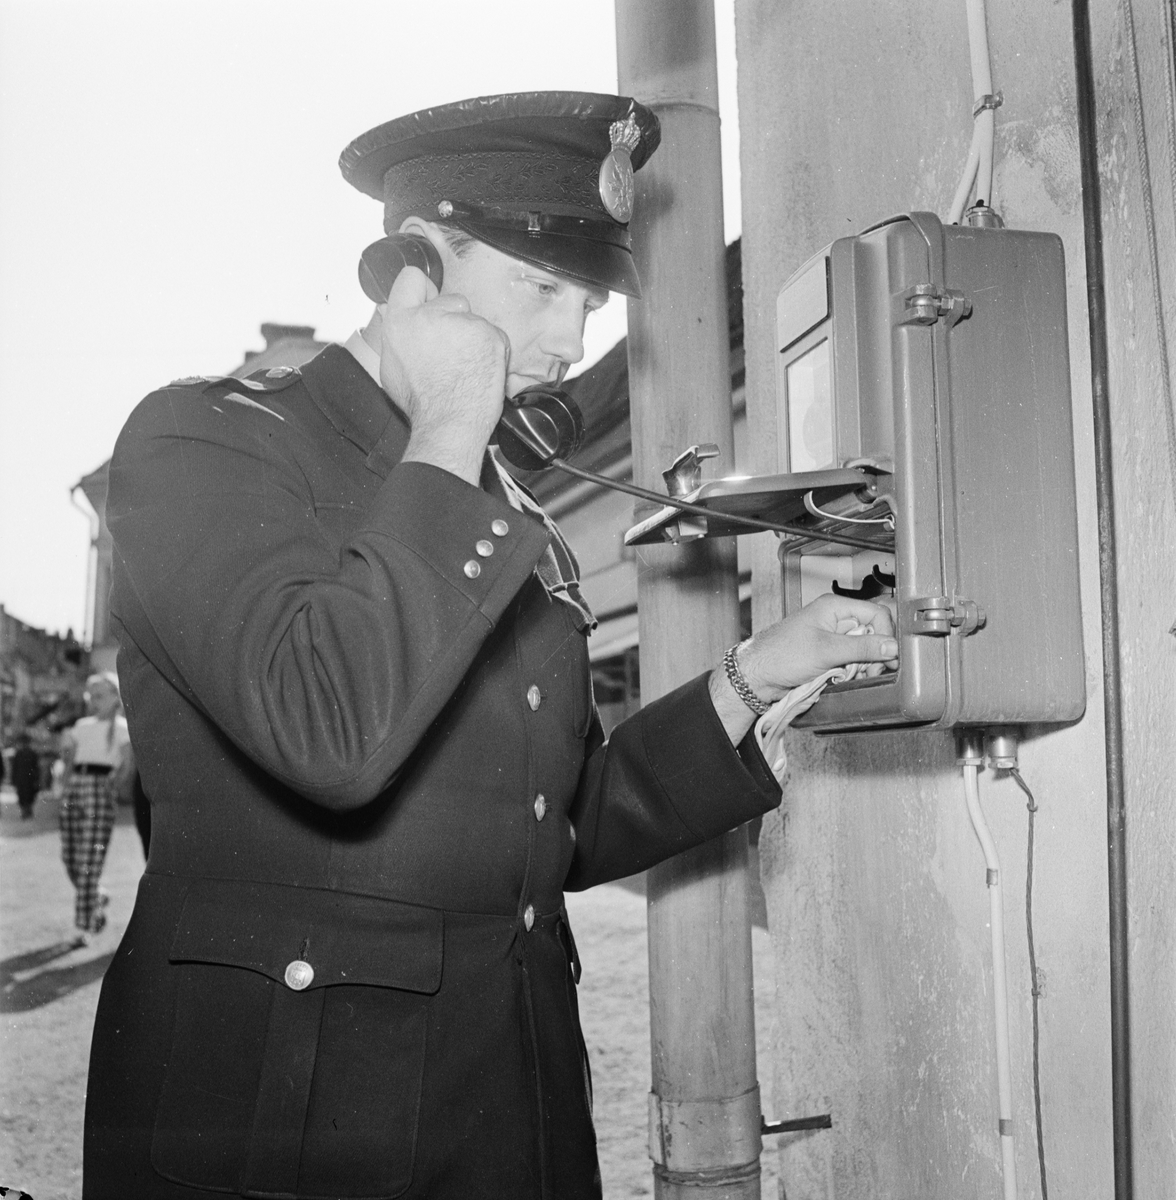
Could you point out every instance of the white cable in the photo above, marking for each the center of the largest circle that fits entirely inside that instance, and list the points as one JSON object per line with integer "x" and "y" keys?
{"x": 982, "y": 88}
{"x": 968, "y": 178}
{"x": 1000, "y": 998}
{"x": 978, "y": 168}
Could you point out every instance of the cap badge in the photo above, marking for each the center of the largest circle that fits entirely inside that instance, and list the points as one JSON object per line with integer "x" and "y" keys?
{"x": 616, "y": 171}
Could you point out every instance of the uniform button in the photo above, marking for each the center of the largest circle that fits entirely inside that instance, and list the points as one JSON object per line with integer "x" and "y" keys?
{"x": 529, "y": 917}
{"x": 534, "y": 697}
{"x": 299, "y": 975}
{"x": 499, "y": 528}
{"x": 540, "y": 807}
{"x": 572, "y": 833}
{"x": 473, "y": 569}
{"x": 484, "y": 548}
{"x": 279, "y": 372}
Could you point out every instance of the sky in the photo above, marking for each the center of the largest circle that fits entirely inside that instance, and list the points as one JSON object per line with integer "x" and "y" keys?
{"x": 168, "y": 182}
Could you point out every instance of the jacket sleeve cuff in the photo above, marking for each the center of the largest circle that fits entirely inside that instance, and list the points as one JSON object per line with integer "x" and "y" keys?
{"x": 681, "y": 730}
{"x": 475, "y": 542}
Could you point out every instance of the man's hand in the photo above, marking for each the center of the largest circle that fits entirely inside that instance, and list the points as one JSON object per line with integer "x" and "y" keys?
{"x": 815, "y": 640}
{"x": 823, "y": 635}
{"x": 446, "y": 368}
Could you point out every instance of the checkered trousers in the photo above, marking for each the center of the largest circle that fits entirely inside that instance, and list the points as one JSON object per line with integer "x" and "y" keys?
{"x": 87, "y": 818}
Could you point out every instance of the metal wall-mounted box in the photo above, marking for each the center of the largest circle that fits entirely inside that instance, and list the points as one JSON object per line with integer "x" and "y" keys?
{"x": 936, "y": 357}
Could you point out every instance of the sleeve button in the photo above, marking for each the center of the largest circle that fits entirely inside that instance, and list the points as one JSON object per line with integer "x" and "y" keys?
{"x": 499, "y": 528}
{"x": 484, "y": 548}
{"x": 473, "y": 569}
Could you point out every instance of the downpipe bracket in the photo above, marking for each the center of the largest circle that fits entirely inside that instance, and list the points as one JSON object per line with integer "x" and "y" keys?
{"x": 702, "y": 1137}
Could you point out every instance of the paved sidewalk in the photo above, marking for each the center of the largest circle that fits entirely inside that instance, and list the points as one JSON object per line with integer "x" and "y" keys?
{"x": 50, "y": 990}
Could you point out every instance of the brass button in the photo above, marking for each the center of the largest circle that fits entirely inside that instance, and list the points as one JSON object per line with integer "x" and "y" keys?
{"x": 499, "y": 528}
{"x": 473, "y": 568}
{"x": 540, "y": 807}
{"x": 534, "y": 697}
{"x": 529, "y": 917}
{"x": 572, "y": 833}
{"x": 484, "y": 548}
{"x": 299, "y": 975}
{"x": 279, "y": 372}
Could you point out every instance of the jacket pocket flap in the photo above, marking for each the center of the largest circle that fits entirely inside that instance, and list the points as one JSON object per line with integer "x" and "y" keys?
{"x": 279, "y": 930}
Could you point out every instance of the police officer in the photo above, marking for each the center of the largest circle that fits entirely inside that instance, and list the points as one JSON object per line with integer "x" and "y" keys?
{"x": 354, "y": 661}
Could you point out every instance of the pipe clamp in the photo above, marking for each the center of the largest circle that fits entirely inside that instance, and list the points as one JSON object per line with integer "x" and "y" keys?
{"x": 697, "y": 1135}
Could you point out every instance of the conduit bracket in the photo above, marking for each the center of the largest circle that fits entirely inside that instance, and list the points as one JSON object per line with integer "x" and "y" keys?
{"x": 694, "y": 1135}
{"x": 798, "y": 1124}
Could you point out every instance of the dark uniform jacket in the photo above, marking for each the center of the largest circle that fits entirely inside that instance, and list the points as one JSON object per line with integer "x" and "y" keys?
{"x": 368, "y": 734}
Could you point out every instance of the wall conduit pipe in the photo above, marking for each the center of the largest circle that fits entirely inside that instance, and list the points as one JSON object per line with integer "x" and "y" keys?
{"x": 1109, "y": 604}
{"x": 1000, "y": 991}
{"x": 978, "y": 168}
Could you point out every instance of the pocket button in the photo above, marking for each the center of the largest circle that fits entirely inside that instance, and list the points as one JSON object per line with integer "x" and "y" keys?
{"x": 299, "y": 975}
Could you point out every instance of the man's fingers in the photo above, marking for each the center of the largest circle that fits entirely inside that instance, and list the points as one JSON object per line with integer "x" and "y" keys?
{"x": 411, "y": 288}
{"x": 870, "y": 648}
{"x": 839, "y": 649}
{"x": 837, "y": 609}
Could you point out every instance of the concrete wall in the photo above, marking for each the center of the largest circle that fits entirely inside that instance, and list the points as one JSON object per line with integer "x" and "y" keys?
{"x": 851, "y": 112}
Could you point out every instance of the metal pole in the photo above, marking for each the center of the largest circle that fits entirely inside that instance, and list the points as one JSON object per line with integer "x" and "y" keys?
{"x": 704, "y": 1104}
{"x": 1120, "y": 947}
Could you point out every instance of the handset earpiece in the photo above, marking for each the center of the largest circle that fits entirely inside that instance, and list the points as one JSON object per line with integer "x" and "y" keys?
{"x": 540, "y": 424}
{"x": 382, "y": 261}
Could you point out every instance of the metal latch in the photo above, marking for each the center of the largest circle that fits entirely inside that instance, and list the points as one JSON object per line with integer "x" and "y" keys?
{"x": 937, "y": 616}
{"x": 925, "y": 303}
{"x": 685, "y": 472}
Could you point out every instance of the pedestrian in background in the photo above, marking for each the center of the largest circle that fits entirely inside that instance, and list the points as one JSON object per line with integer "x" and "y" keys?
{"x": 96, "y": 752}
{"x": 26, "y": 775}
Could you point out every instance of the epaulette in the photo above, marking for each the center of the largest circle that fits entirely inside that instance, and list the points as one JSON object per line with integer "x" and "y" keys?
{"x": 276, "y": 379}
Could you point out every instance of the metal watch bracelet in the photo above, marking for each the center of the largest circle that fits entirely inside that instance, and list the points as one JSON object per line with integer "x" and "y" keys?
{"x": 740, "y": 684}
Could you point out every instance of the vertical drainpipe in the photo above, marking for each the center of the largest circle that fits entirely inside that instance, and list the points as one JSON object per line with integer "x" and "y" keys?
{"x": 704, "y": 1104}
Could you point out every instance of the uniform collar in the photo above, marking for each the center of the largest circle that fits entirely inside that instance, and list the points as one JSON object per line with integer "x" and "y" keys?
{"x": 357, "y": 346}
{"x": 357, "y": 407}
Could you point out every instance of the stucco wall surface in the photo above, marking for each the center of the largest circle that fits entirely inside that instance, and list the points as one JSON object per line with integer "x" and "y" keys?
{"x": 849, "y": 113}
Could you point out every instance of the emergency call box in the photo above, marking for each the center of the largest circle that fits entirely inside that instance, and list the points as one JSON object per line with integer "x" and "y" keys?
{"x": 923, "y": 369}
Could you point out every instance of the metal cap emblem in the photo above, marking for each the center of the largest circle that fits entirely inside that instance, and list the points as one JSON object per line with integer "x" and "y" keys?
{"x": 616, "y": 171}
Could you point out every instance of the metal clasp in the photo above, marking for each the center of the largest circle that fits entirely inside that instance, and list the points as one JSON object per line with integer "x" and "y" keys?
{"x": 937, "y": 616}
{"x": 925, "y": 303}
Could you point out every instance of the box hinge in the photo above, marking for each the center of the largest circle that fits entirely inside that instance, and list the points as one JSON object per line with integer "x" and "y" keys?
{"x": 925, "y": 303}
{"x": 937, "y": 616}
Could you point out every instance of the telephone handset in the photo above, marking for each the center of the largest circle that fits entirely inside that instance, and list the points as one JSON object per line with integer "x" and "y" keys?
{"x": 538, "y": 425}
